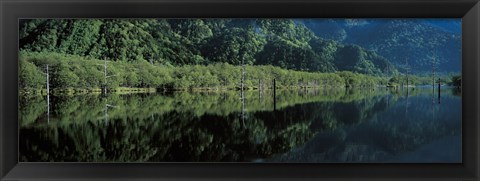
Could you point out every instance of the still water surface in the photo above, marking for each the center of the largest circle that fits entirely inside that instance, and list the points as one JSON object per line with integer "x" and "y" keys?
{"x": 312, "y": 125}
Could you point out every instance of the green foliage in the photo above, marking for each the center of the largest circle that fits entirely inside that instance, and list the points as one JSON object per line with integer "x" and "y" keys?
{"x": 194, "y": 30}
{"x": 30, "y": 76}
{"x": 178, "y": 42}
{"x": 67, "y": 71}
{"x": 233, "y": 45}
{"x": 354, "y": 58}
{"x": 399, "y": 40}
{"x": 400, "y": 79}
{"x": 63, "y": 76}
{"x": 456, "y": 80}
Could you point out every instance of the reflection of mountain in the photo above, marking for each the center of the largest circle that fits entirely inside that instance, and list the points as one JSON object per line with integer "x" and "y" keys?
{"x": 447, "y": 149}
{"x": 395, "y": 135}
{"x": 186, "y": 133}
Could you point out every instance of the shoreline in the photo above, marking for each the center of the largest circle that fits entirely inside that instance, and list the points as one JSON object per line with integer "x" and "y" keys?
{"x": 128, "y": 90}
{"x": 132, "y": 90}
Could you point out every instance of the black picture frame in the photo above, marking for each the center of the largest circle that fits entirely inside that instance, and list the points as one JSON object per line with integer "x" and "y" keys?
{"x": 12, "y": 10}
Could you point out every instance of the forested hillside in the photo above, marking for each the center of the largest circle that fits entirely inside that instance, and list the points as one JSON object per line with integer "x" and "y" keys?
{"x": 177, "y": 42}
{"x": 416, "y": 41}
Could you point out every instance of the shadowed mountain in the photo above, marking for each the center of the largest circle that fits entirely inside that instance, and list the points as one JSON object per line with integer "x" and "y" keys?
{"x": 399, "y": 40}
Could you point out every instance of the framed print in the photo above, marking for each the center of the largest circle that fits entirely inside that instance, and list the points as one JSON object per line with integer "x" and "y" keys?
{"x": 249, "y": 90}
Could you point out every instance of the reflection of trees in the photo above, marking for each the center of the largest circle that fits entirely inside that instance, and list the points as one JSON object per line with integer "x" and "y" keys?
{"x": 385, "y": 136}
{"x": 31, "y": 109}
{"x": 457, "y": 91}
{"x": 191, "y": 126}
{"x": 74, "y": 109}
{"x": 170, "y": 137}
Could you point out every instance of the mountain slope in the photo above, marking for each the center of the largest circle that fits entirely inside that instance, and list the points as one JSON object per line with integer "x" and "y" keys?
{"x": 278, "y": 42}
{"x": 414, "y": 41}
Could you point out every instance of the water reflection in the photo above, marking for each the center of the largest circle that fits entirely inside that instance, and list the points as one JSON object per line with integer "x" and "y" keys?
{"x": 310, "y": 125}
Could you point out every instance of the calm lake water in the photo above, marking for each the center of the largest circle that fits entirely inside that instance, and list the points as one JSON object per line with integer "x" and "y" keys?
{"x": 313, "y": 125}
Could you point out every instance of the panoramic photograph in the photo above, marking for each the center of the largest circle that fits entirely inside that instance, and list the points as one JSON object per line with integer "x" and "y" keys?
{"x": 240, "y": 90}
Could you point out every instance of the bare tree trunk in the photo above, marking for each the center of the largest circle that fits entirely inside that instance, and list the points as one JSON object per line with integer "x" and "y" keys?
{"x": 407, "y": 74}
{"x": 243, "y": 91}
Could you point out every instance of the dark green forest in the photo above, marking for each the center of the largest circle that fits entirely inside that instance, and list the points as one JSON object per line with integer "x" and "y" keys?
{"x": 194, "y": 53}
{"x": 417, "y": 41}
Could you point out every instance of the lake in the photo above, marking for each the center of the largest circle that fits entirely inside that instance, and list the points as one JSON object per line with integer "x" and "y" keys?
{"x": 380, "y": 125}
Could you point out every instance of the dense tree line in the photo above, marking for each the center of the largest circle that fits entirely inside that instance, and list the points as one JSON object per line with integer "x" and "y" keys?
{"x": 278, "y": 42}
{"x": 79, "y": 72}
{"x": 450, "y": 79}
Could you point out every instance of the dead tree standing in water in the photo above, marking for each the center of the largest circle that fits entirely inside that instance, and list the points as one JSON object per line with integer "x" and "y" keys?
{"x": 407, "y": 68}
{"x": 104, "y": 87}
{"x": 48, "y": 94}
{"x": 242, "y": 91}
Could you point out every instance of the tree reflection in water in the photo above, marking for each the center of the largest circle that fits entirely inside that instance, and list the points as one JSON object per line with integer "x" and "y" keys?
{"x": 321, "y": 125}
